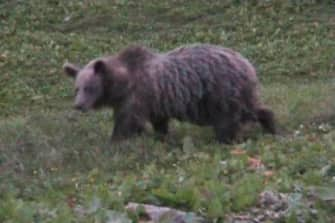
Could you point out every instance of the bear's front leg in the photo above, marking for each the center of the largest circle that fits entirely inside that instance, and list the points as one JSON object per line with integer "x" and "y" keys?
{"x": 161, "y": 126}
{"x": 126, "y": 125}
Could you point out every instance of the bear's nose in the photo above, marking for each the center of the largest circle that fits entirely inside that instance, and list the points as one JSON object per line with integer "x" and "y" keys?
{"x": 79, "y": 107}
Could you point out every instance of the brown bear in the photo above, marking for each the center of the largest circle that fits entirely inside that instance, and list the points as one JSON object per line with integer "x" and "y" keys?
{"x": 203, "y": 84}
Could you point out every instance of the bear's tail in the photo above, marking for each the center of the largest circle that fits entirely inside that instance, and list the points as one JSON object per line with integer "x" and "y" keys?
{"x": 266, "y": 118}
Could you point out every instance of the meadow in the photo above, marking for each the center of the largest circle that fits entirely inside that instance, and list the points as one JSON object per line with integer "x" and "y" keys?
{"x": 56, "y": 164}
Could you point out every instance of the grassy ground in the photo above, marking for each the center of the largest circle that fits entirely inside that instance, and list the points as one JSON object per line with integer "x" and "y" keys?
{"x": 56, "y": 164}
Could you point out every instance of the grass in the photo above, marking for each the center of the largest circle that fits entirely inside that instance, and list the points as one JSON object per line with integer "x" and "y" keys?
{"x": 56, "y": 164}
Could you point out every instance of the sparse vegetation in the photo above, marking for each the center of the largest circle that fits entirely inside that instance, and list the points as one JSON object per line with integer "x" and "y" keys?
{"x": 56, "y": 164}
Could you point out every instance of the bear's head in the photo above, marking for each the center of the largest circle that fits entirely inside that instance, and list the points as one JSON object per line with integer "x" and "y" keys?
{"x": 100, "y": 82}
{"x": 108, "y": 80}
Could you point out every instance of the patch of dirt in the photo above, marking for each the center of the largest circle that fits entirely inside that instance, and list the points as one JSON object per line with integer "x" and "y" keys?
{"x": 273, "y": 207}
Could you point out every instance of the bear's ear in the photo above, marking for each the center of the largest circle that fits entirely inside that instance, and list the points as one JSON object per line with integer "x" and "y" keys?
{"x": 100, "y": 67}
{"x": 71, "y": 70}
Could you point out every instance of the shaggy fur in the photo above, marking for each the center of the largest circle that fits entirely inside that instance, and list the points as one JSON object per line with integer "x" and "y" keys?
{"x": 201, "y": 84}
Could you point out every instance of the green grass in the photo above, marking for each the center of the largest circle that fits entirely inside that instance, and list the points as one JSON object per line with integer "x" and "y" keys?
{"x": 55, "y": 161}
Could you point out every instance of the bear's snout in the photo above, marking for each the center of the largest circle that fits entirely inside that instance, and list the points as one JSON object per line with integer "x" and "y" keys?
{"x": 80, "y": 107}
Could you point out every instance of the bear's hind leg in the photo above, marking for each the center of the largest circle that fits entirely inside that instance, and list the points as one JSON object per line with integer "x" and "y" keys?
{"x": 226, "y": 132}
{"x": 266, "y": 118}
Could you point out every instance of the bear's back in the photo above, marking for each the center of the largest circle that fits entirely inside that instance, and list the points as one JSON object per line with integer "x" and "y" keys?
{"x": 191, "y": 81}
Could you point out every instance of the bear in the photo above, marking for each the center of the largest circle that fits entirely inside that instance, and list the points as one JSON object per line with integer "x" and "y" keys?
{"x": 204, "y": 84}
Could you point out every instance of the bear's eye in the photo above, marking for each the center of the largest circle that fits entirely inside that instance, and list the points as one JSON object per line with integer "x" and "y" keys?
{"x": 89, "y": 90}
{"x": 76, "y": 90}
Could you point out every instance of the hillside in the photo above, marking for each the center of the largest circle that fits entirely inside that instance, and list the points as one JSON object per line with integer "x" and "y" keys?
{"x": 56, "y": 164}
